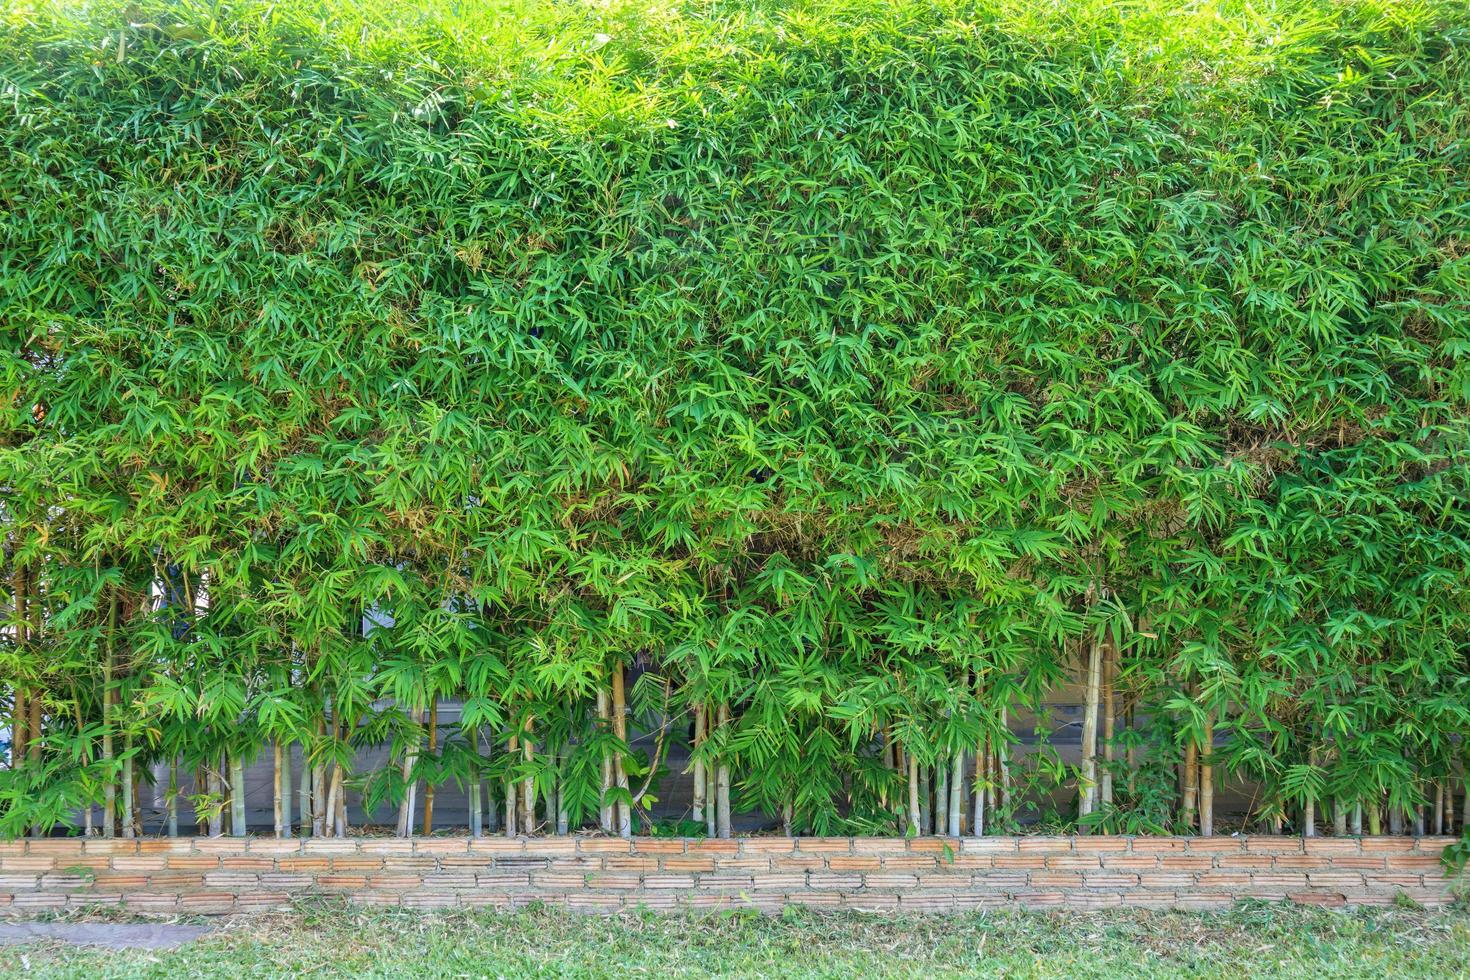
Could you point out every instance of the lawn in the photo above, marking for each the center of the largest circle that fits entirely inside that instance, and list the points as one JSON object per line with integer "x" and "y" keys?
{"x": 1251, "y": 940}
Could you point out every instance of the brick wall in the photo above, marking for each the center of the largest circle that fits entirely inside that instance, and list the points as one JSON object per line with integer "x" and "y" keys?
{"x": 220, "y": 875}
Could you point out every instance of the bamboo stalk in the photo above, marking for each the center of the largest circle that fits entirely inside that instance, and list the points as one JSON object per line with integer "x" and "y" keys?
{"x": 722, "y": 782}
{"x": 237, "y": 795}
{"x": 433, "y": 747}
{"x": 711, "y": 798}
{"x": 941, "y": 797}
{"x": 1190, "y": 801}
{"x": 926, "y": 813}
{"x": 285, "y": 789}
{"x": 512, "y": 748}
{"x": 129, "y": 818}
{"x": 1002, "y": 763}
{"x": 303, "y": 797}
{"x": 698, "y": 765}
{"x": 34, "y": 731}
{"x": 1087, "y": 786}
{"x": 475, "y": 803}
{"x": 336, "y": 808}
{"x": 109, "y": 665}
{"x": 982, "y": 776}
{"x": 1309, "y": 807}
{"x": 216, "y": 820}
{"x": 956, "y": 796}
{"x": 173, "y": 798}
{"x": 563, "y": 817}
{"x": 276, "y": 792}
{"x": 528, "y": 783}
{"x": 620, "y": 729}
{"x": 916, "y": 825}
{"x": 407, "y": 806}
{"x": 1109, "y": 722}
{"x": 605, "y": 813}
{"x": 1207, "y": 781}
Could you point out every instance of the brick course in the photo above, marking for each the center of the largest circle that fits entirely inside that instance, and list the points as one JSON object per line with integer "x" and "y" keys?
{"x": 596, "y": 874}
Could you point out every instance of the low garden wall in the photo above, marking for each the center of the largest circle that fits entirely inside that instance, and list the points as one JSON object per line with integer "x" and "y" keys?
{"x": 223, "y": 875}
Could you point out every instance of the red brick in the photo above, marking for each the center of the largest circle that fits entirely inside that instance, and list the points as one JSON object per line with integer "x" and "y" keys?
{"x": 1134, "y": 862}
{"x": 238, "y": 862}
{"x": 193, "y": 862}
{"x": 152, "y": 863}
{"x": 886, "y": 880}
{"x": 854, "y": 863}
{"x": 1164, "y": 880}
{"x": 1297, "y": 861}
{"x": 913, "y": 862}
{"x": 1361, "y": 862}
{"x": 1073, "y": 862}
{"x": 1262, "y": 862}
{"x": 1109, "y": 880}
{"x": 1332, "y": 899}
{"x": 798, "y": 862}
{"x": 781, "y": 881}
{"x": 1414, "y": 862}
{"x": 28, "y": 862}
{"x": 609, "y": 879}
{"x": 1036, "y": 861}
{"x": 1180, "y": 862}
{"x": 1270, "y": 844}
{"x": 688, "y": 863}
{"x": 1056, "y": 879}
{"x": 1089, "y": 845}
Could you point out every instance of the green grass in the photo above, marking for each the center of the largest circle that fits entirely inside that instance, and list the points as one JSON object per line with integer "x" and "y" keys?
{"x": 1251, "y": 940}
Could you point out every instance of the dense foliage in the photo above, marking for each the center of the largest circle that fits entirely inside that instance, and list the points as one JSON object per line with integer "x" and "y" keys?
{"x": 864, "y": 371}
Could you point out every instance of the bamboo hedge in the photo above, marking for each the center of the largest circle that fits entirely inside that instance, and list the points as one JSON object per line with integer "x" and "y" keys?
{"x": 857, "y": 375}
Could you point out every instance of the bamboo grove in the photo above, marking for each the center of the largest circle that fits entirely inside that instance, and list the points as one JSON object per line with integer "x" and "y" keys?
{"x": 821, "y": 390}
